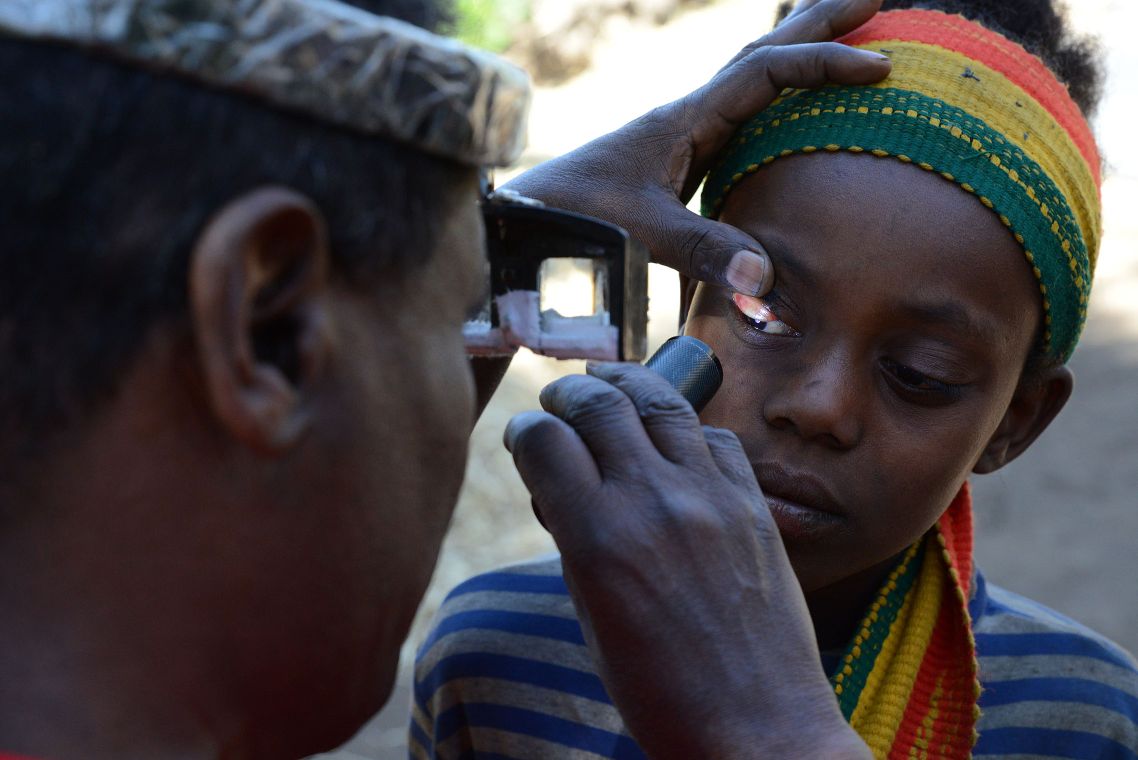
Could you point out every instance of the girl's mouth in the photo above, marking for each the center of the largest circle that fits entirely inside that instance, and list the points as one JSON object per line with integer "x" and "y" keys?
{"x": 799, "y": 522}
{"x": 803, "y": 506}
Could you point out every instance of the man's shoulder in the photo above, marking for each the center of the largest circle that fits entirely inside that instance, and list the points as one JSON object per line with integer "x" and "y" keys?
{"x": 1050, "y": 685}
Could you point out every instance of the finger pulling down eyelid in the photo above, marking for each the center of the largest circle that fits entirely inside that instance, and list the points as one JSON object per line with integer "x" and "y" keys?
{"x": 753, "y": 307}
{"x": 762, "y": 316}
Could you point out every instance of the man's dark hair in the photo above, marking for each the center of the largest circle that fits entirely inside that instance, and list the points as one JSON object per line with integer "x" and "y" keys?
{"x": 1038, "y": 25}
{"x": 111, "y": 171}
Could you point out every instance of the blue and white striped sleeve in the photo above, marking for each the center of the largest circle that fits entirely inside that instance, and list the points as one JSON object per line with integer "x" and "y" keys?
{"x": 505, "y": 673}
{"x": 1051, "y": 687}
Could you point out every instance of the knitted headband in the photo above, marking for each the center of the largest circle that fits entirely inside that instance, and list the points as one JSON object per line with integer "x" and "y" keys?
{"x": 974, "y": 107}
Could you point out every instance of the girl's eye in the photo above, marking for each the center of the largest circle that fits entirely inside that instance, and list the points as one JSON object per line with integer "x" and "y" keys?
{"x": 918, "y": 382}
{"x": 760, "y": 316}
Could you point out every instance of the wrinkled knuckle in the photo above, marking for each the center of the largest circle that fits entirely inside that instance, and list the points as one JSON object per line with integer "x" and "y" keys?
{"x": 825, "y": 14}
{"x": 594, "y": 405}
{"x": 824, "y": 54}
{"x": 664, "y": 404}
{"x": 766, "y": 57}
{"x": 616, "y": 372}
{"x": 720, "y": 437}
{"x": 689, "y": 245}
{"x": 657, "y": 123}
{"x": 808, "y": 67}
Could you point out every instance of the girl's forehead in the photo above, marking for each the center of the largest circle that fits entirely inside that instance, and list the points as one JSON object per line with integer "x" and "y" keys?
{"x": 863, "y": 204}
{"x": 966, "y": 103}
{"x": 857, "y": 232}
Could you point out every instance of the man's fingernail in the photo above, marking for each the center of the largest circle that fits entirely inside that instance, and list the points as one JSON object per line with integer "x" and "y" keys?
{"x": 746, "y": 272}
{"x": 874, "y": 55}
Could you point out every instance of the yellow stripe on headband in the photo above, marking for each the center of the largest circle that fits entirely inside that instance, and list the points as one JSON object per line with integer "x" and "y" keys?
{"x": 976, "y": 108}
{"x": 971, "y": 86}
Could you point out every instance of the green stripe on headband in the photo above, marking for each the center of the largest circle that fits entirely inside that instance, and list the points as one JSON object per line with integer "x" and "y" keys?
{"x": 940, "y": 138}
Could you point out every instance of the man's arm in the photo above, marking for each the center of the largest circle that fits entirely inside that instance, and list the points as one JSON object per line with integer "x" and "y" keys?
{"x": 689, "y": 604}
{"x": 668, "y": 548}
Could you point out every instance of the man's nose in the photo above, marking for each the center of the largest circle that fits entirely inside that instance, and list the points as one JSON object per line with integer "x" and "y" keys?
{"x": 822, "y": 399}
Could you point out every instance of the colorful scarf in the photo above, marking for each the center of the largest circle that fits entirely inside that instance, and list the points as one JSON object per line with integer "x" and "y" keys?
{"x": 977, "y": 109}
{"x": 907, "y": 683}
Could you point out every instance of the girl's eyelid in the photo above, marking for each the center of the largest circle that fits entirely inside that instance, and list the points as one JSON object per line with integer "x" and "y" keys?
{"x": 939, "y": 366}
{"x": 776, "y": 298}
{"x": 761, "y": 317}
{"x": 766, "y": 303}
{"x": 949, "y": 391}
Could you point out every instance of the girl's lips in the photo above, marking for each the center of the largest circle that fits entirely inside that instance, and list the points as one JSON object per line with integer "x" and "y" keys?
{"x": 797, "y": 522}
{"x": 803, "y": 506}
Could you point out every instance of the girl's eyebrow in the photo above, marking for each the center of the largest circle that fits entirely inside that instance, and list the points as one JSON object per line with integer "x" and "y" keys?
{"x": 783, "y": 260}
{"x": 950, "y": 314}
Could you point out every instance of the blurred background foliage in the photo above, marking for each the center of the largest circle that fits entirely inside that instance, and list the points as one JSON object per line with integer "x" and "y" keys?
{"x": 490, "y": 24}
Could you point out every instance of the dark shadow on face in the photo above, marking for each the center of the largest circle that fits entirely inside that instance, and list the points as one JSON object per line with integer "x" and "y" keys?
{"x": 871, "y": 381}
{"x": 346, "y": 447}
{"x": 394, "y": 451}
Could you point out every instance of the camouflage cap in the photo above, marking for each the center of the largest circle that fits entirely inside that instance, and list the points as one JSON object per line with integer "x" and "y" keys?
{"x": 325, "y": 59}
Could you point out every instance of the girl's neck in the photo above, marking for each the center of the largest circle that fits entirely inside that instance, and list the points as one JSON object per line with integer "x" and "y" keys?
{"x": 837, "y": 609}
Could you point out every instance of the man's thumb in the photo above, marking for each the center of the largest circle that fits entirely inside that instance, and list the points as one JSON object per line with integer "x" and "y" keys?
{"x": 713, "y": 252}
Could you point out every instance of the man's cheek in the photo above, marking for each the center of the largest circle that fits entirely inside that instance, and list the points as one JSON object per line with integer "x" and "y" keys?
{"x": 450, "y": 383}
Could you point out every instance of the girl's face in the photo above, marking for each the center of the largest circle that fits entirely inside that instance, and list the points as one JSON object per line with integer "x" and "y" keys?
{"x": 884, "y": 366}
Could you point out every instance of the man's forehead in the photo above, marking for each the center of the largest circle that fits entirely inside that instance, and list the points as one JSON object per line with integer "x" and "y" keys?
{"x": 326, "y": 59}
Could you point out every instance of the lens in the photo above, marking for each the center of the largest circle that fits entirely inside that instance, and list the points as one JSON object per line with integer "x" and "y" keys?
{"x": 573, "y": 287}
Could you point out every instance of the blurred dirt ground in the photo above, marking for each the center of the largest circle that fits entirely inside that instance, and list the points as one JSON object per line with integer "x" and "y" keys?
{"x": 1060, "y": 525}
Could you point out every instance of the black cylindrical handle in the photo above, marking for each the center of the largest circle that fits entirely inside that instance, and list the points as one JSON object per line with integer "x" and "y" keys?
{"x": 691, "y": 367}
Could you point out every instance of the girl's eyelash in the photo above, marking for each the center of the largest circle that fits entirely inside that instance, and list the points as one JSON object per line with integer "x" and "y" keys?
{"x": 759, "y": 315}
{"x": 913, "y": 380}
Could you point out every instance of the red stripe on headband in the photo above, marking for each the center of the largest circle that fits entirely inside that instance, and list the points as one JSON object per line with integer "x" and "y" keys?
{"x": 995, "y": 51}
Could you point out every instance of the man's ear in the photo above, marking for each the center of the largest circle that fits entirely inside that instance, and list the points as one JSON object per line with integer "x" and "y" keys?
{"x": 1036, "y": 402}
{"x": 257, "y": 287}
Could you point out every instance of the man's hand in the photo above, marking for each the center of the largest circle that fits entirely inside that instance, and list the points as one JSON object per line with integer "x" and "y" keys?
{"x": 679, "y": 576}
{"x": 642, "y": 175}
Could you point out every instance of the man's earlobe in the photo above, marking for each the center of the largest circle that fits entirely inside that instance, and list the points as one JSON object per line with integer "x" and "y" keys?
{"x": 1036, "y": 402}
{"x": 257, "y": 294}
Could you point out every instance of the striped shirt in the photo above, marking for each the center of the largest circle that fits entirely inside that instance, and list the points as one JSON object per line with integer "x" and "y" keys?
{"x": 505, "y": 673}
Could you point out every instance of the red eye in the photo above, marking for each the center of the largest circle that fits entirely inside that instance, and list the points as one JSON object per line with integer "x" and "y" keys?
{"x": 761, "y": 316}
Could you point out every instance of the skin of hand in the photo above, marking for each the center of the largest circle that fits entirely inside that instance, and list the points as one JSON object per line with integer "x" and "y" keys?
{"x": 667, "y": 545}
{"x": 642, "y": 175}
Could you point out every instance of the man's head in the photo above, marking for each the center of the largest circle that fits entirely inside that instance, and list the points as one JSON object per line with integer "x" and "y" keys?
{"x": 236, "y": 403}
{"x": 907, "y": 342}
